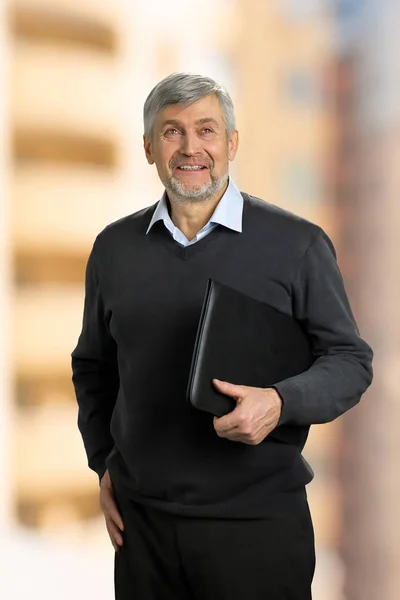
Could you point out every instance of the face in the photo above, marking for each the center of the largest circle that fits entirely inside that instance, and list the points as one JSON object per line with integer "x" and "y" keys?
{"x": 190, "y": 149}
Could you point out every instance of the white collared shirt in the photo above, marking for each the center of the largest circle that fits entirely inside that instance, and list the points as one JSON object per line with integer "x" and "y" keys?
{"x": 228, "y": 212}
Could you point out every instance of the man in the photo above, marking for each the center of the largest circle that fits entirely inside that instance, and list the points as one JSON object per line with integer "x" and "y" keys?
{"x": 199, "y": 507}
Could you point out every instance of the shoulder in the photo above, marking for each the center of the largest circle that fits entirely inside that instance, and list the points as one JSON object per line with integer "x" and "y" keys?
{"x": 263, "y": 218}
{"x": 272, "y": 215}
{"x": 130, "y": 225}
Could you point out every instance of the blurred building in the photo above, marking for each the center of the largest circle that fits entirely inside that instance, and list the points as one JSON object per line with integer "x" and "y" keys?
{"x": 66, "y": 167}
{"x": 281, "y": 56}
{"x": 5, "y": 284}
{"x": 367, "y": 186}
{"x": 42, "y": 482}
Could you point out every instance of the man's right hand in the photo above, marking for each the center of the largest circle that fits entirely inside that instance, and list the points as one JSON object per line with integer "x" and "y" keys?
{"x": 108, "y": 505}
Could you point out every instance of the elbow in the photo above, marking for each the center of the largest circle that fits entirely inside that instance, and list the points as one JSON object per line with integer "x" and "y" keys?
{"x": 363, "y": 370}
{"x": 369, "y": 376}
{"x": 368, "y": 368}
{"x": 364, "y": 381}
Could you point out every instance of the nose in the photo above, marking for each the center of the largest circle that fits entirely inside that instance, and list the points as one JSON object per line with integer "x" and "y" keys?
{"x": 189, "y": 144}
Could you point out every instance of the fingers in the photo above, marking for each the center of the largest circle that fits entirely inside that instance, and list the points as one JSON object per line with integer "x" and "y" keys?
{"x": 230, "y": 389}
{"x": 109, "y": 505}
{"x": 115, "y": 534}
{"x": 112, "y": 516}
{"x": 224, "y": 425}
{"x": 231, "y": 421}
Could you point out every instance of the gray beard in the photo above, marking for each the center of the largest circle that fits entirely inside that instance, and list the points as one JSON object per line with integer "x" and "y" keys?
{"x": 199, "y": 193}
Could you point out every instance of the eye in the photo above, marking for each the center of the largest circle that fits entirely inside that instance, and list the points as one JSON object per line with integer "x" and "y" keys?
{"x": 207, "y": 130}
{"x": 171, "y": 131}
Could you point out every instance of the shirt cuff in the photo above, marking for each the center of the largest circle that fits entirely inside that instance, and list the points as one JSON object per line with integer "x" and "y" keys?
{"x": 98, "y": 464}
{"x": 291, "y": 395}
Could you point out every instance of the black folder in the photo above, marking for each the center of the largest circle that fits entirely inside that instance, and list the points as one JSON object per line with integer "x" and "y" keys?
{"x": 243, "y": 341}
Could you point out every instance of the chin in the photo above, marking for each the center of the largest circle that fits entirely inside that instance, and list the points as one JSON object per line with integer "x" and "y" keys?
{"x": 195, "y": 192}
{"x": 192, "y": 192}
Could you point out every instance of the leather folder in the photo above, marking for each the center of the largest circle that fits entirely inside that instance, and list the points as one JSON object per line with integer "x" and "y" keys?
{"x": 244, "y": 341}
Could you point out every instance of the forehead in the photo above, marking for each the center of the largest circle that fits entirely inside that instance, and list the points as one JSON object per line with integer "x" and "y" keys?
{"x": 205, "y": 108}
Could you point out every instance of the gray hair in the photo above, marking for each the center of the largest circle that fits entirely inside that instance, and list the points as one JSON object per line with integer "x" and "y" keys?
{"x": 185, "y": 88}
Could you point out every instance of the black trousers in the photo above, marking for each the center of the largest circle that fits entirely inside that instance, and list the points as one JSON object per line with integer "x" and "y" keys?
{"x": 168, "y": 557}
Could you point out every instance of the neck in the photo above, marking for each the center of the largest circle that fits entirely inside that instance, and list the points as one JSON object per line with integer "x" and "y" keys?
{"x": 190, "y": 215}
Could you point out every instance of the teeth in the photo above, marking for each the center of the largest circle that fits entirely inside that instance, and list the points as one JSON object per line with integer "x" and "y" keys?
{"x": 189, "y": 168}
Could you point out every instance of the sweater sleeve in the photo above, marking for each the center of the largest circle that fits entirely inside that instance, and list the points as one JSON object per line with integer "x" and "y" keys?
{"x": 95, "y": 374}
{"x": 342, "y": 369}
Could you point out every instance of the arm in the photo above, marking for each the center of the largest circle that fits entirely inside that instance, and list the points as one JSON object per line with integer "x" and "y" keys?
{"x": 342, "y": 370}
{"x": 95, "y": 374}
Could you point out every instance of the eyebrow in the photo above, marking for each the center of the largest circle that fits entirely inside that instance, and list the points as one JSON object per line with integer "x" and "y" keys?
{"x": 198, "y": 122}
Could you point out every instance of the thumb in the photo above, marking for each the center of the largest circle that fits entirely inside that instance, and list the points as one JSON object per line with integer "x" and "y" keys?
{"x": 230, "y": 389}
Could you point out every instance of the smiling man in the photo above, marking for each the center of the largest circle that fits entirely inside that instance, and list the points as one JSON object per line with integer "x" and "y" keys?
{"x": 191, "y": 147}
{"x": 198, "y": 507}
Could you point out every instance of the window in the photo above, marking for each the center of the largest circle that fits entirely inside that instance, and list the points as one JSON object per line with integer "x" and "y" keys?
{"x": 303, "y": 9}
{"x": 302, "y": 87}
{"x": 301, "y": 182}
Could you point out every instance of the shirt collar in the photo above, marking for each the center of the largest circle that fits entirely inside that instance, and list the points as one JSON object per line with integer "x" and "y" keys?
{"x": 228, "y": 212}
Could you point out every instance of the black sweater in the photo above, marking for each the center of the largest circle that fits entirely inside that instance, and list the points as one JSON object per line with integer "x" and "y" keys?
{"x": 131, "y": 364}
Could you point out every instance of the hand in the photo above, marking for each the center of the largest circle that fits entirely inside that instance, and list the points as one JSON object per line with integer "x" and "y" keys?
{"x": 256, "y": 414}
{"x": 108, "y": 505}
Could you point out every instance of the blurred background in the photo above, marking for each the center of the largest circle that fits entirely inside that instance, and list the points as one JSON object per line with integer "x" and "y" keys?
{"x": 316, "y": 85}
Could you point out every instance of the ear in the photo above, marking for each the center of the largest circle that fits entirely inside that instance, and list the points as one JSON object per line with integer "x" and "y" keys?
{"x": 233, "y": 144}
{"x": 147, "y": 150}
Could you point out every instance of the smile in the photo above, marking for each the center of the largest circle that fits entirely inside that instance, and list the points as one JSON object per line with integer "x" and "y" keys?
{"x": 191, "y": 167}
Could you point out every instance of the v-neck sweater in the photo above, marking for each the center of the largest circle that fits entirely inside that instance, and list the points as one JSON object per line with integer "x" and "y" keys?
{"x": 131, "y": 365}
